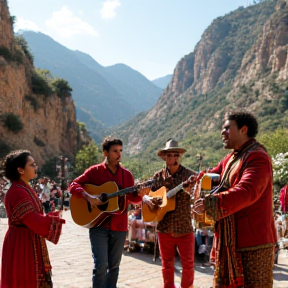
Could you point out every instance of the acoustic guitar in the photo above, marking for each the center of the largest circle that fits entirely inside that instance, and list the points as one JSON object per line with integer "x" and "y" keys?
{"x": 167, "y": 200}
{"x": 88, "y": 216}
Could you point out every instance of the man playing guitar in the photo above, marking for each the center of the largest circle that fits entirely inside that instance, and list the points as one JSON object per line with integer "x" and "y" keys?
{"x": 175, "y": 229}
{"x": 107, "y": 239}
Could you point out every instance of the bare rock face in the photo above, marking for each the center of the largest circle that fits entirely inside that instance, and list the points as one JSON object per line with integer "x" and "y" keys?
{"x": 49, "y": 122}
{"x": 245, "y": 48}
{"x": 210, "y": 66}
{"x": 6, "y": 34}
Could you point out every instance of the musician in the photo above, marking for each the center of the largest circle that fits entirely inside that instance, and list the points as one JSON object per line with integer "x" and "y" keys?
{"x": 242, "y": 208}
{"x": 108, "y": 238}
{"x": 175, "y": 229}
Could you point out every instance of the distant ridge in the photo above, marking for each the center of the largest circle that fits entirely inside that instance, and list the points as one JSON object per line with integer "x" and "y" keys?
{"x": 163, "y": 82}
{"x": 240, "y": 62}
{"x": 110, "y": 95}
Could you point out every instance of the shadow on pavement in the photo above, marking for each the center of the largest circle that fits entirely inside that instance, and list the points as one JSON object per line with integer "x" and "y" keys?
{"x": 200, "y": 261}
{"x": 280, "y": 272}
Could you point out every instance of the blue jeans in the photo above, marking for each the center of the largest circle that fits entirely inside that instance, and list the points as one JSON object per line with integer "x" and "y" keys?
{"x": 107, "y": 247}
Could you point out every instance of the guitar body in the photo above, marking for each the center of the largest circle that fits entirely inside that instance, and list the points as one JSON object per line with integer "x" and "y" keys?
{"x": 208, "y": 182}
{"x": 88, "y": 218}
{"x": 168, "y": 204}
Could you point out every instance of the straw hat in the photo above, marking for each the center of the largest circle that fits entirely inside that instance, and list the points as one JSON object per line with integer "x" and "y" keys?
{"x": 171, "y": 146}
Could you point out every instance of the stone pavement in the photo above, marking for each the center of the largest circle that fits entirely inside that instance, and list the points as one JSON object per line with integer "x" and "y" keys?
{"x": 72, "y": 263}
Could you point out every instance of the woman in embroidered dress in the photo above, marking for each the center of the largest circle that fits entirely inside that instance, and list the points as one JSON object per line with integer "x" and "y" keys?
{"x": 25, "y": 259}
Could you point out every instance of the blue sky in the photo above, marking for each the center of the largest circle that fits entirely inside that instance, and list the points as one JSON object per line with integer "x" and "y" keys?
{"x": 150, "y": 36}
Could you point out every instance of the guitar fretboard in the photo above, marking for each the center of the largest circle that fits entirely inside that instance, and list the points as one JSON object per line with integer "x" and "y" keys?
{"x": 122, "y": 192}
{"x": 130, "y": 189}
{"x": 174, "y": 191}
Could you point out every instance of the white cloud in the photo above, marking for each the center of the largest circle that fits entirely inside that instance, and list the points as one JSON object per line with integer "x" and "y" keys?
{"x": 108, "y": 9}
{"x": 22, "y": 24}
{"x": 67, "y": 25}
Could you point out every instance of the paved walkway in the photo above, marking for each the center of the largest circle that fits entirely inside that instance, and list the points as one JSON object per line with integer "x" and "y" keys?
{"x": 72, "y": 263}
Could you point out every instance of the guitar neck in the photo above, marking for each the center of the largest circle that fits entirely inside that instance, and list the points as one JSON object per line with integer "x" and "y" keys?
{"x": 174, "y": 191}
{"x": 130, "y": 189}
{"x": 122, "y": 192}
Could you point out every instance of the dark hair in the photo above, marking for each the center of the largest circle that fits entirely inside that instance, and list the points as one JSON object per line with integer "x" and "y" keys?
{"x": 109, "y": 141}
{"x": 244, "y": 118}
{"x": 12, "y": 161}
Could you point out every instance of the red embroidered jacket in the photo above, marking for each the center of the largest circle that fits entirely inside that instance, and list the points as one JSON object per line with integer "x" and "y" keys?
{"x": 249, "y": 198}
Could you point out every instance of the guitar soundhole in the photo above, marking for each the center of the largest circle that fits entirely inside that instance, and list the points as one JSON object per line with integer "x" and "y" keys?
{"x": 103, "y": 207}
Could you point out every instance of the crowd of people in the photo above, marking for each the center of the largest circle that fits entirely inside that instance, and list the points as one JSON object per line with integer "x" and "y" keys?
{"x": 50, "y": 194}
{"x": 243, "y": 248}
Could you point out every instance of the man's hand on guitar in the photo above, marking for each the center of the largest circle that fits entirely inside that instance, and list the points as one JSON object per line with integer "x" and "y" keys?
{"x": 144, "y": 191}
{"x": 93, "y": 200}
{"x": 190, "y": 182}
{"x": 150, "y": 202}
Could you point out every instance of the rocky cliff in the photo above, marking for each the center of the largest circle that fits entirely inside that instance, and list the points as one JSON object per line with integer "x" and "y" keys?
{"x": 240, "y": 62}
{"x": 48, "y": 123}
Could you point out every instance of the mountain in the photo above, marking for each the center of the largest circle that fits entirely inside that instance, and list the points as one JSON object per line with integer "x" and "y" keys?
{"x": 162, "y": 82}
{"x": 240, "y": 62}
{"x": 33, "y": 116}
{"x": 110, "y": 95}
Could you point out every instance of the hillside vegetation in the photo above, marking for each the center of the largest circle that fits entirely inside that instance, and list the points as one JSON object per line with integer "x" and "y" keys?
{"x": 240, "y": 62}
{"x": 103, "y": 96}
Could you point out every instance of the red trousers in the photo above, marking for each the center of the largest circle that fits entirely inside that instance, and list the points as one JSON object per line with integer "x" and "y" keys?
{"x": 185, "y": 245}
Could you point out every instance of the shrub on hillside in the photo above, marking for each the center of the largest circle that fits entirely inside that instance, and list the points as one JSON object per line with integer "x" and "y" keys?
{"x": 6, "y": 53}
{"x": 12, "y": 122}
{"x": 20, "y": 40}
{"x": 4, "y": 149}
{"x": 39, "y": 142}
{"x": 40, "y": 85}
{"x": 61, "y": 88}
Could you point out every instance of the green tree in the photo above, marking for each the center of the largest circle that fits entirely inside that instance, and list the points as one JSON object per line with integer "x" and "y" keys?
{"x": 275, "y": 142}
{"x": 20, "y": 40}
{"x": 40, "y": 84}
{"x": 49, "y": 169}
{"x": 13, "y": 21}
{"x": 45, "y": 73}
{"x": 61, "y": 87}
{"x": 86, "y": 157}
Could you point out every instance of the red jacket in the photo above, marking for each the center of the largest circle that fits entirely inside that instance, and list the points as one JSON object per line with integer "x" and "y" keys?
{"x": 249, "y": 198}
{"x": 98, "y": 175}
